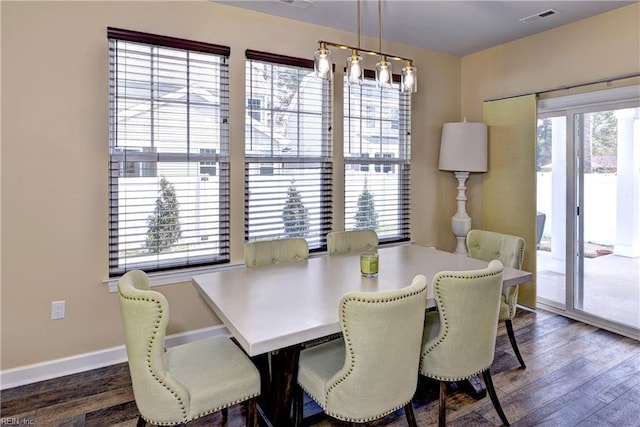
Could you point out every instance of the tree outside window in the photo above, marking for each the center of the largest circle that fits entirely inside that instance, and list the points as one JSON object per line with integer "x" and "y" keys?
{"x": 294, "y": 214}
{"x": 366, "y": 217}
{"x": 164, "y": 224}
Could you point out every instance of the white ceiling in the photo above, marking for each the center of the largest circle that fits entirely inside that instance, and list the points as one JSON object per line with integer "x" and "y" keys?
{"x": 454, "y": 27}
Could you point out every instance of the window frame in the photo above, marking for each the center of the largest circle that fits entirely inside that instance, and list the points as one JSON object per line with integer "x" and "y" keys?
{"x": 186, "y": 262}
{"x": 272, "y": 162}
{"x": 380, "y": 163}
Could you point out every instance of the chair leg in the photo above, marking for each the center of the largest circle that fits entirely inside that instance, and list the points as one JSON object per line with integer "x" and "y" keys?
{"x": 408, "y": 411}
{"x": 514, "y": 344}
{"x": 486, "y": 375}
{"x": 141, "y": 422}
{"x": 225, "y": 414}
{"x": 442, "y": 419}
{"x": 298, "y": 405}
{"x": 252, "y": 412}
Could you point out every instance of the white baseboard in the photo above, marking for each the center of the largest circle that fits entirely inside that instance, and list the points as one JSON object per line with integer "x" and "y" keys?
{"x": 28, "y": 374}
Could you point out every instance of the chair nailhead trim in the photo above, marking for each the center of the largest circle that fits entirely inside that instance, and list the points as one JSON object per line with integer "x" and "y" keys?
{"x": 347, "y": 339}
{"x": 185, "y": 417}
{"x": 438, "y": 295}
{"x": 153, "y": 338}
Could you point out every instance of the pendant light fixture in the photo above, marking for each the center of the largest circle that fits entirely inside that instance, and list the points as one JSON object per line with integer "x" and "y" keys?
{"x": 383, "y": 68}
{"x": 409, "y": 82}
{"x": 322, "y": 62}
{"x": 355, "y": 72}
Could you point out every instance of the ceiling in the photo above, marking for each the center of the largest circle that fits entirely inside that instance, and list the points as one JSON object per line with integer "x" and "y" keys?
{"x": 455, "y": 27}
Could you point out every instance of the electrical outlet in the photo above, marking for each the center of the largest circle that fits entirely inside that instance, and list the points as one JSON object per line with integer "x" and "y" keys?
{"x": 57, "y": 310}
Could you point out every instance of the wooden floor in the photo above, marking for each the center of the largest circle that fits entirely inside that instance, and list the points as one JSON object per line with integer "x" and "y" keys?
{"x": 576, "y": 375}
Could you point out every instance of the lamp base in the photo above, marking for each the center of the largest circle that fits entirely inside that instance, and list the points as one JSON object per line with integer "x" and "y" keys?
{"x": 461, "y": 225}
{"x": 461, "y": 221}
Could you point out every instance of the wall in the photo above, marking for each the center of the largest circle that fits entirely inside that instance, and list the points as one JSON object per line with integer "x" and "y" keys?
{"x": 596, "y": 48}
{"x": 55, "y": 158}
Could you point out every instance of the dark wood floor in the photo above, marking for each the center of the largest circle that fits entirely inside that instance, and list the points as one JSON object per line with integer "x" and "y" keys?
{"x": 577, "y": 375}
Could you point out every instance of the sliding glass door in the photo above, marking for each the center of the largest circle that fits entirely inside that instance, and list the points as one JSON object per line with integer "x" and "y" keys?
{"x": 588, "y": 177}
{"x": 551, "y": 169}
{"x": 607, "y": 283}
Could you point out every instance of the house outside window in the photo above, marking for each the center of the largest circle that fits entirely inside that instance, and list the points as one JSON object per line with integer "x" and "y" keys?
{"x": 288, "y": 163}
{"x": 168, "y": 151}
{"x": 377, "y": 159}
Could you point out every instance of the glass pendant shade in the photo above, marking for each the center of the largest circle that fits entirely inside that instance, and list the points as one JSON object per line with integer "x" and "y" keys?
{"x": 383, "y": 72}
{"x": 354, "y": 68}
{"x": 409, "y": 82}
{"x": 322, "y": 62}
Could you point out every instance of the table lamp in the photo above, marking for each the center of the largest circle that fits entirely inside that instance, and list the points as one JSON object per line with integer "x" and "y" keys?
{"x": 463, "y": 149}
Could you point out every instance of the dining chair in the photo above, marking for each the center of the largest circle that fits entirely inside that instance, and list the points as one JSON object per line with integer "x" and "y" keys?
{"x": 373, "y": 370}
{"x": 259, "y": 253}
{"x": 489, "y": 245}
{"x": 182, "y": 383}
{"x": 459, "y": 338}
{"x": 275, "y": 251}
{"x": 351, "y": 241}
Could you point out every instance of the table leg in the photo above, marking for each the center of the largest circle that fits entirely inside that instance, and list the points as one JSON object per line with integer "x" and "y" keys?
{"x": 284, "y": 371}
{"x": 278, "y": 381}
{"x": 262, "y": 363}
{"x": 474, "y": 387}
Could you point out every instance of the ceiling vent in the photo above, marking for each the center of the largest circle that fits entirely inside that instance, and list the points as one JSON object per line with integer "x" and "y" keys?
{"x": 302, "y": 4}
{"x": 545, "y": 14}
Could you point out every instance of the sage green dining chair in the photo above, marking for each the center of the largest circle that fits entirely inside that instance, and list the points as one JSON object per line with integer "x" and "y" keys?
{"x": 275, "y": 251}
{"x": 182, "y": 383}
{"x": 459, "y": 338}
{"x": 373, "y": 370}
{"x": 351, "y": 241}
{"x": 489, "y": 245}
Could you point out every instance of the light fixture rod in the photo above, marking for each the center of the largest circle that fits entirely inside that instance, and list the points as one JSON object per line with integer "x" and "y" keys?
{"x": 358, "y": 24}
{"x": 369, "y": 52}
{"x": 380, "y": 25}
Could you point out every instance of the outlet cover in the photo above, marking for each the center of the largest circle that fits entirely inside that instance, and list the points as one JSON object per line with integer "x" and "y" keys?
{"x": 57, "y": 310}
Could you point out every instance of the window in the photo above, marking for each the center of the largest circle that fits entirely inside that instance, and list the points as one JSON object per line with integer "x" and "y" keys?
{"x": 288, "y": 170}
{"x": 377, "y": 197}
{"x": 208, "y": 168}
{"x": 253, "y": 109}
{"x": 168, "y": 151}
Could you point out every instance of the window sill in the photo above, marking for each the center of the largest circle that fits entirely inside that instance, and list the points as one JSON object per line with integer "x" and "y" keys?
{"x": 173, "y": 277}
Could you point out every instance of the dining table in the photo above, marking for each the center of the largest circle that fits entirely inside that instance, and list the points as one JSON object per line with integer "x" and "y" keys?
{"x": 274, "y": 311}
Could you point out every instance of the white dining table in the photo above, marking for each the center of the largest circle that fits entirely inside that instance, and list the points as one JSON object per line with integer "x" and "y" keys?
{"x": 281, "y": 306}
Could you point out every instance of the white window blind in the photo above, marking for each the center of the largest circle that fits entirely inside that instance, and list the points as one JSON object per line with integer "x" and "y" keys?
{"x": 377, "y": 147}
{"x": 288, "y": 164}
{"x": 169, "y": 152}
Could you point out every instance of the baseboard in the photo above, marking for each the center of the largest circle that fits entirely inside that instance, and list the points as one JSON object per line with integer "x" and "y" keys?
{"x": 28, "y": 374}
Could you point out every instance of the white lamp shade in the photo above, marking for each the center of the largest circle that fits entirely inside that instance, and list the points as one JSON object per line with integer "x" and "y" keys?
{"x": 463, "y": 147}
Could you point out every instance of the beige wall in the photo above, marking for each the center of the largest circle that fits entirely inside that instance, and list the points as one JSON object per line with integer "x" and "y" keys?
{"x": 55, "y": 157}
{"x": 597, "y": 48}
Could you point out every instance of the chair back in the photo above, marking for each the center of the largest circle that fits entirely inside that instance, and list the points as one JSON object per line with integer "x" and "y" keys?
{"x": 468, "y": 305}
{"x": 489, "y": 245}
{"x": 352, "y": 241}
{"x": 275, "y": 251}
{"x": 145, "y": 314}
{"x": 382, "y": 334}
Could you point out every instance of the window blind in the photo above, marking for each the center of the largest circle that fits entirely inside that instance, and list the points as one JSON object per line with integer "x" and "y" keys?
{"x": 377, "y": 156}
{"x": 288, "y": 160}
{"x": 168, "y": 151}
